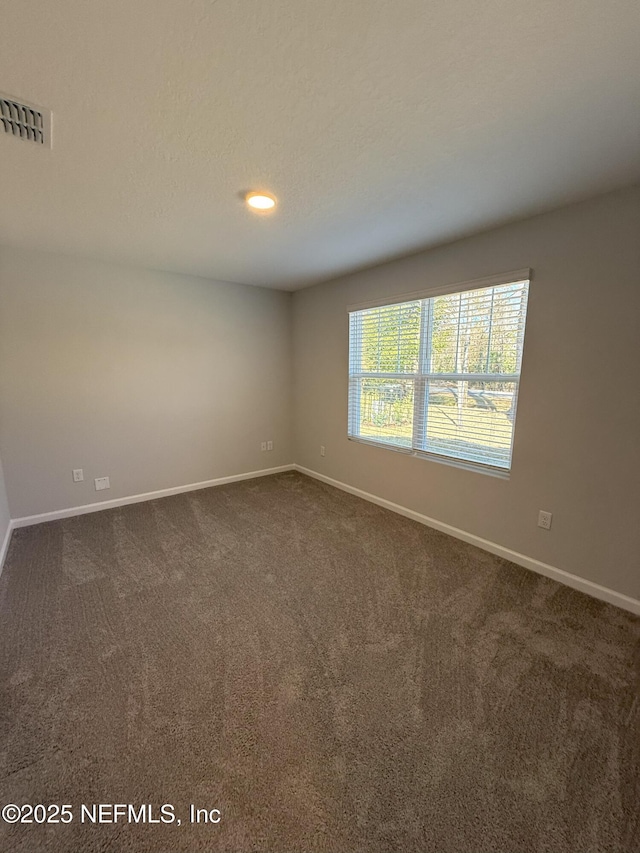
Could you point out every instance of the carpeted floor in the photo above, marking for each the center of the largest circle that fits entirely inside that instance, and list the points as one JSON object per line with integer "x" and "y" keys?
{"x": 329, "y": 675}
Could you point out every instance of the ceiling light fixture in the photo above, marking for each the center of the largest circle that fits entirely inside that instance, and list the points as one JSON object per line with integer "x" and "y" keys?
{"x": 260, "y": 201}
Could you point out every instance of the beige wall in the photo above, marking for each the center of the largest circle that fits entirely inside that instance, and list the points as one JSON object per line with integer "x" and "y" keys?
{"x": 577, "y": 441}
{"x": 153, "y": 379}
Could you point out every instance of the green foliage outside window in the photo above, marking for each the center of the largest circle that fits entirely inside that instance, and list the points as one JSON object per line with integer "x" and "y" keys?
{"x": 473, "y": 332}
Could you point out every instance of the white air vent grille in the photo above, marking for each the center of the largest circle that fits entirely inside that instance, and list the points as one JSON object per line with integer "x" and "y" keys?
{"x": 25, "y": 121}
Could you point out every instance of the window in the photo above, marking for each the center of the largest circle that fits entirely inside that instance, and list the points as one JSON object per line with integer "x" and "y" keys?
{"x": 438, "y": 376}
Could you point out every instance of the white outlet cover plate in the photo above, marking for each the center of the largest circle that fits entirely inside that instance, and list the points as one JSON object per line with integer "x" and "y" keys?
{"x": 544, "y": 519}
{"x": 102, "y": 483}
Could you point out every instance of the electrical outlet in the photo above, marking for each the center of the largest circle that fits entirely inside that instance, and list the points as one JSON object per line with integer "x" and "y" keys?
{"x": 78, "y": 475}
{"x": 544, "y": 520}
{"x": 263, "y": 446}
{"x": 269, "y": 445}
{"x": 102, "y": 483}
{"x": 322, "y": 450}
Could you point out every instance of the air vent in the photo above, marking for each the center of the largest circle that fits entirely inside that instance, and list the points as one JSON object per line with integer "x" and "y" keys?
{"x": 25, "y": 121}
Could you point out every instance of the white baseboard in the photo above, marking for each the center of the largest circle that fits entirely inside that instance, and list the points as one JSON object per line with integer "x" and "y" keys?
{"x": 71, "y": 511}
{"x": 602, "y": 593}
{"x": 4, "y": 547}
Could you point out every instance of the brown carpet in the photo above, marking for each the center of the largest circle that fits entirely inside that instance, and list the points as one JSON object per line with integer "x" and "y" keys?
{"x": 331, "y": 676}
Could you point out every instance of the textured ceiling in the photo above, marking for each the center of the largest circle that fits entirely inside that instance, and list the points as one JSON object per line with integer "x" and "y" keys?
{"x": 382, "y": 127}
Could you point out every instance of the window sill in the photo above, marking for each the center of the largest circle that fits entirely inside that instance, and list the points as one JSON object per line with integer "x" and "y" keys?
{"x": 475, "y": 467}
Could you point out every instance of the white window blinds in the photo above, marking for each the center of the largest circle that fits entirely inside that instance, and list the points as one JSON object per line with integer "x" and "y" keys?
{"x": 439, "y": 376}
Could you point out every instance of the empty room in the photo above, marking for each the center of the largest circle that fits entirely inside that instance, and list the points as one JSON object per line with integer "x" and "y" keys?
{"x": 319, "y": 426}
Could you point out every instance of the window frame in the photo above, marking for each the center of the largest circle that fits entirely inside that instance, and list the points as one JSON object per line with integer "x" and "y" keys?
{"x": 423, "y": 376}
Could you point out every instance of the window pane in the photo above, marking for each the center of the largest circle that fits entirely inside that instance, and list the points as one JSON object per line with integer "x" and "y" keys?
{"x": 457, "y": 355}
{"x": 389, "y": 339}
{"x": 444, "y": 337}
{"x": 471, "y": 420}
{"x": 383, "y": 410}
{"x": 507, "y": 328}
{"x": 479, "y": 331}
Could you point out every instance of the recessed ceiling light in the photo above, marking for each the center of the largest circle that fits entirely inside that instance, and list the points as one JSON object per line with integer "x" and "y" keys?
{"x": 260, "y": 201}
